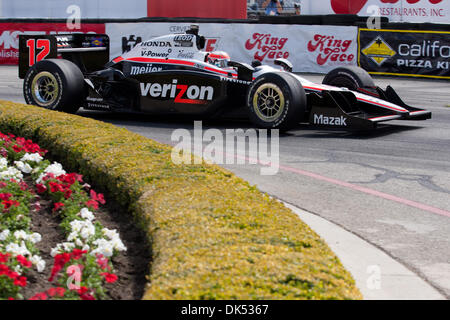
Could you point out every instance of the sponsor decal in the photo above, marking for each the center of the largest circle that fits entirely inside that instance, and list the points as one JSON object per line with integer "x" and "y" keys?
{"x": 331, "y": 49}
{"x": 9, "y": 36}
{"x": 405, "y": 53}
{"x": 185, "y": 54}
{"x": 135, "y": 70}
{"x": 267, "y": 46}
{"x": 149, "y": 53}
{"x": 379, "y": 51}
{"x": 97, "y": 42}
{"x": 130, "y": 42}
{"x": 156, "y": 44}
{"x": 183, "y": 38}
{"x": 330, "y": 121}
{"x": 180, "y": 93}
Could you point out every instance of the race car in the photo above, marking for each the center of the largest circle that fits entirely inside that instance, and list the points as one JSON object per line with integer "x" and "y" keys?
{"x": 172, "y": 74}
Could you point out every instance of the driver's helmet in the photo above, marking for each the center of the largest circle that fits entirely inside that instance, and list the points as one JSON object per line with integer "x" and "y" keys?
{"x": 218, "y": 58}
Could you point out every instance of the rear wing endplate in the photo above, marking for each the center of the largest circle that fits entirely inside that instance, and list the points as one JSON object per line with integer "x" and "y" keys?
{"x": 89, "y": 51}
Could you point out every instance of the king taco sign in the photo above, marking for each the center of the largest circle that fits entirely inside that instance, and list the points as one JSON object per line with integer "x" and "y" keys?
{"x": 267, "y": 47}
{"x": 331, "y": 50}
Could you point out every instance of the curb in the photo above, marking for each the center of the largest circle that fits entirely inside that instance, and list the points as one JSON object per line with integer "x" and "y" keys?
{"x": 377, "y": 275}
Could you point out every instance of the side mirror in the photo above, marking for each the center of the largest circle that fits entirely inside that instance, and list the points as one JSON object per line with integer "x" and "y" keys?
{"x": 245, "y": 71}
{"x": 285, "y": 64}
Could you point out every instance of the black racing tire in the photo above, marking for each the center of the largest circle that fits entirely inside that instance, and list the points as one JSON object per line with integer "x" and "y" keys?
{"x": 351, "y": 77}
{"x": 55, "y": 84}
{"x": 276, "y": 100}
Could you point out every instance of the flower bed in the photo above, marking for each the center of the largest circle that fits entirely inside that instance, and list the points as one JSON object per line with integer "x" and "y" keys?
{"x": 82, "y": 263}
{"x": 212, "y": 235}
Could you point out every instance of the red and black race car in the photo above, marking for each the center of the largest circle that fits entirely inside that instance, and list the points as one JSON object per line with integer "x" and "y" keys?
{"x": 172, "y": 75}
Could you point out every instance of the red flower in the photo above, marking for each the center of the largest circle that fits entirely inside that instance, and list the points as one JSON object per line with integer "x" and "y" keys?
{"x": 97, "y": 197}
{"x": 4, "y": 269}
{"x": 86, "y": 296}
{"x": 82, "y": 290}
{"x": 23, "y": 261}
{"x": 17, "y": 149}
{"x": 59, "y": 262}
{"x": 57, "y": 206}
{"x": 78, "y": 254}
{"x": 5, "y": 196}
{"x": 102, "y": 261}
{"x": 55, "y": 187}
{"x": 9, "y": 203}
{"x": 3, "y": 184}
{"x": 20, "y": 281}
{"x": 58, "y": 291}
{"x": 67, "y": 193}
{"x": 92, "y": 204}
{"x": 12, "y": 275}
{"x": 4, "y": 257}
{"x": 11, "y": 298}
{"x": 41, "y": 188}
{"x": 109, "y": 277}
{"x": 39, "y": 296}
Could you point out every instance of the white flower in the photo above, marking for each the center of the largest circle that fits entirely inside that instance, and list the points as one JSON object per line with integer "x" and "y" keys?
{"x": 38, "y": 262}
{"x": 16, "y": 250}
{"x": 104, "y": 247}
{"x": 87, "y": 231}
{"x": 35, "y": 237}
{"x": 118, "y": 244}
{"x": 3, "y": 163}
{"x": 55, "y": 168}
{"x": 35, "y": 157}
{"x": 11, "y": 173}
{"x": 73, "y": 236}
{"x": 68, "y": 246}
{"x": 86, "y": 214}
{"x": 4, "y": 234}
{"x": 111, "y": 234}
{"x": 20, "y": 234}
{"x": 24, "y": 167}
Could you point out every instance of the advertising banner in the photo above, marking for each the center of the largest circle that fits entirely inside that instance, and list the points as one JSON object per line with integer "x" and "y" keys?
{"x": 9, "y": 36}
{"x": 435, "y": 11}
{"x": 315, "y": 49}
{"x": 405, "y": 52}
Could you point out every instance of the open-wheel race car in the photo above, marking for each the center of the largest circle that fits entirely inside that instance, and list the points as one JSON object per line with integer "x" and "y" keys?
{"x": 172, "y": 75}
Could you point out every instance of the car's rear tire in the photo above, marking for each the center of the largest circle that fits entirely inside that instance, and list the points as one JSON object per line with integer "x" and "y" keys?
{"x": 351, "y": 77}
{"x": 276, "y": 100}
{"x": 54, "y": 84}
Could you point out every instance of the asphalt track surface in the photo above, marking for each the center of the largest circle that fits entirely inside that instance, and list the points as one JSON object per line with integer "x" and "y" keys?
{"x": 390, "y": 187}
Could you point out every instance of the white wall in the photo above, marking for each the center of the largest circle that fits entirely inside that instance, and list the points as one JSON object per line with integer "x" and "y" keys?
{"x": 57, "y": 8}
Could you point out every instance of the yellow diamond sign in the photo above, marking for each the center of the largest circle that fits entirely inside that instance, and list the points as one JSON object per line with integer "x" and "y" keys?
{"x": 379, "y": 51}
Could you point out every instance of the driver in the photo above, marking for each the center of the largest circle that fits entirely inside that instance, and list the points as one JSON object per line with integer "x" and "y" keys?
{"x": 218, "y": 58}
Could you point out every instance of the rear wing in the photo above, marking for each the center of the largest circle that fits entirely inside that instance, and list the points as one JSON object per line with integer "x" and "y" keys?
{"x": 90, "y": 52}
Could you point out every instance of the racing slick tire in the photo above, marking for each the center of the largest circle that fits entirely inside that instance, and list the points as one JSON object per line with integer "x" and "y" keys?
{"x": 276, "y": 100}
{"x": 351, "y": 77}
{"x": 55, "y": 84}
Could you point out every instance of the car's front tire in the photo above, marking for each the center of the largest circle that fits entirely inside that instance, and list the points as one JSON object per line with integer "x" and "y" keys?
{"x": 54, "y": 84}
{"x": 350, "y": 77}
{"x": 276, "y": 101}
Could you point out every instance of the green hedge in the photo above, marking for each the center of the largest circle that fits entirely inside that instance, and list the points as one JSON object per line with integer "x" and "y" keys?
{"x": 212, "y": 235}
